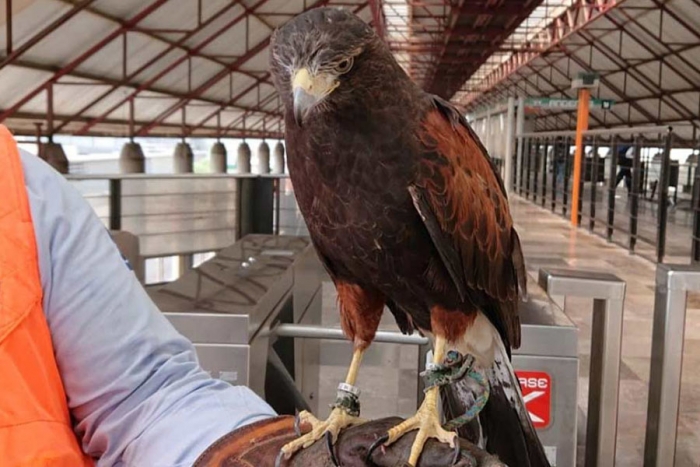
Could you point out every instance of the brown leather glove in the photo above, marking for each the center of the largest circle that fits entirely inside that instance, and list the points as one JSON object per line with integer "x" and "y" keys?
{"x": 259, "y": 444}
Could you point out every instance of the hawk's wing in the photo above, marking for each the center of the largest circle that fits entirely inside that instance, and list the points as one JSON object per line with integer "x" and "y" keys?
{"x": 464, "y": 206}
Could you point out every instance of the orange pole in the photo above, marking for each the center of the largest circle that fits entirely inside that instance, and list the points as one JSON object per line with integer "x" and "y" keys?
{"x": 584, "y": 98}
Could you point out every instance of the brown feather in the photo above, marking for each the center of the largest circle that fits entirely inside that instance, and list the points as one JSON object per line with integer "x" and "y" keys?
{"x": 451, "y": 324}
{"x": 360, "y": 312}
{"x": 467, "y": 198}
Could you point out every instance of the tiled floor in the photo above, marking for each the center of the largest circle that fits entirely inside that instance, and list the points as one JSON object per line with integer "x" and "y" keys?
{"x": 388, "y": 374}
{"x": 679, "y": 219}
{"x": 547, "y": 238}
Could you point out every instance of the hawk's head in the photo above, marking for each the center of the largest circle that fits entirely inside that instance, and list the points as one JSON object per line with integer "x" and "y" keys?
{"x": 316, "y": 58}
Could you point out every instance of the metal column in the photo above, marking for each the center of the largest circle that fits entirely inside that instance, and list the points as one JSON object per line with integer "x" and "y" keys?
{"x": 612, "y": 188}
{"x": 672, "y": 285}
{"x": 519, "y": 129}
{"x": 510, "y": 139}
{"x": 662, "y": 208}
{"x": 594, "y": 185}
{"x": 608, "y": 294}
{"x": 115, "y": 204}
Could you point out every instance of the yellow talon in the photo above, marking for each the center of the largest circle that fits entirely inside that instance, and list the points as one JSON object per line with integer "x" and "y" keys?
{"x": 426, "y": 420}
{"x": 337, "y": 421}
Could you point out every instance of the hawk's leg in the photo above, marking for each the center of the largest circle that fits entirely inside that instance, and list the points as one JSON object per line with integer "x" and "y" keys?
{"x": 345, "y": 413}
{"x": 453, "y": 367}
{"x": 360, "y": 312}
{"x": 427, "y": 419}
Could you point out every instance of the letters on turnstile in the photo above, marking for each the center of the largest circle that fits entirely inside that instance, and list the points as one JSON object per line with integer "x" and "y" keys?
{"x": 537, "y": 393}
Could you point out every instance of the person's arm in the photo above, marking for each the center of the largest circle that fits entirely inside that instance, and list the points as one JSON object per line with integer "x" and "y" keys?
{"x": 134, "y": 387}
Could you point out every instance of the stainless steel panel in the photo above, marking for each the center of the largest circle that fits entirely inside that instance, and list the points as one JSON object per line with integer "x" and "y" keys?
{"x": 158, "y": 245}
{"x": 171, "y": 215}
{"x": 247, "y": 279}
{"x": 186, "y": 184}
{"x": 553, "y": 341}
{"x": 545, "y": 329}
{"x": 212, "y": 328}
{"x": 672, "y": 285}
{"x": 226, "y": 362}
{"x": 307, "y": 356}
{"x": 608, "y": 292}
{"x": 559, "y": 438}
{"x": 578, "y": 283}
{"x": 229, "y": 302}
{"x": 307, "y": 309}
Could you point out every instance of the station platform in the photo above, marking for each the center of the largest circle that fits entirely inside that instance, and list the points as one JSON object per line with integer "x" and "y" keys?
{"x": 549, "y": 241}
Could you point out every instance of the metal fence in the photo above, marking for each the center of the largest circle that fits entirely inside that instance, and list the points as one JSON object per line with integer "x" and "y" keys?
{"x": 654, "y": 213}
{"x": 189, "y": 214}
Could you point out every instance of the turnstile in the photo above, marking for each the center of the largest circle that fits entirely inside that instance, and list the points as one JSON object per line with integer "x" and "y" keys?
{"x": 546, "y": 365}
{"x": 227, "y": 304}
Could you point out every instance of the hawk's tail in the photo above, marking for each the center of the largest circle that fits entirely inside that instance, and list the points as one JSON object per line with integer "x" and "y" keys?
{"x": 503, "y": 427}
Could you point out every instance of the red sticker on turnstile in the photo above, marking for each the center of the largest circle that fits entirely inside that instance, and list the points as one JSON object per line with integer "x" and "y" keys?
{"x": 537, "y": 392}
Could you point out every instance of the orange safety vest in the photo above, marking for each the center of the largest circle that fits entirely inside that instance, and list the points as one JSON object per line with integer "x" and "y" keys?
{"x": 35, "y": 425}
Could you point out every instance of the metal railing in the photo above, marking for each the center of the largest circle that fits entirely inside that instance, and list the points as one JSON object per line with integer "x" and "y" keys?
{"x": 306, "y": 331}
{"x": 191, "y": 213}
{"x": 656, "y": 217}
{"x": 608, "y": 294}
{"x": 673, "y": 282}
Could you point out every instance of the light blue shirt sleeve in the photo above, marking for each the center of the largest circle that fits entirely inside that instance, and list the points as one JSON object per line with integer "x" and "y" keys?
{"x": 135, "y": 389}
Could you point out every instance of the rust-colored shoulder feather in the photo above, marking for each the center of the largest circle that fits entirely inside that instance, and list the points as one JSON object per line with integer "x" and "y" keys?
{"x": 463, "y": 204}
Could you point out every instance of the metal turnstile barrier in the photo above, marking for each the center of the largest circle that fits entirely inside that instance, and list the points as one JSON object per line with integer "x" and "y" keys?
{"x": 546, "y": 364}
{"x": 673, "y": 282}
{"x": 608, "y": 294}
{"x": 226, "y": 306}
{"x": 254, "y": 312}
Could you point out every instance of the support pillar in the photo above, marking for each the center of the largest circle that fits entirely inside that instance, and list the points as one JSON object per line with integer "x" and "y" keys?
{"x": 243, "y": 160}
{"x": 219, "y": 158}
{"x": 510, "y": 139}
{"x": 53, "y": 154}
{"x": 264, "y": 158}
{"x": 584, "y": 97}
{"x": 183, "y": 162}
{"x": 255, "y": 194}
{"x": 278, "y": 159}
{"x": 131, "y": 159}
{"x": 183, "y": 159}
{"x": 489, "y": 132}
{"x": 519, "y": 130}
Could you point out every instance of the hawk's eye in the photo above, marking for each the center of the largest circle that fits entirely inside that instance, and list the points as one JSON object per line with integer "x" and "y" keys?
{"x": 344, "y": 66}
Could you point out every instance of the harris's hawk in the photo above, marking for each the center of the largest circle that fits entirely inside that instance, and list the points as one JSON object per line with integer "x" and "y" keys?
{"x": 406, "y": 211}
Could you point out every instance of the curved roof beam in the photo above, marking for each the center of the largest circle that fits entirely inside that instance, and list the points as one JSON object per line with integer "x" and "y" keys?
{"x": 13, "y": 55}
{"x": 146, "y": 85}
{"x": 577, "y": 16}
{"x": 127, "y": 25}
{"x": 252, "y": 52}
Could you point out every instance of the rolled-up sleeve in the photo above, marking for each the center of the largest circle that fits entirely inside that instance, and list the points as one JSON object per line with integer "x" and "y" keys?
{"x": 134, "y": 386}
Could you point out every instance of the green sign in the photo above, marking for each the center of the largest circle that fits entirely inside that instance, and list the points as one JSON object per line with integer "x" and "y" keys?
{"x": 567, "y": 104}
{"x": 605, "y": 104}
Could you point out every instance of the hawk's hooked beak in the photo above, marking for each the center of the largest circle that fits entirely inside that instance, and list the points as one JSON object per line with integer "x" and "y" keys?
{"x": 309, "y": 90}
